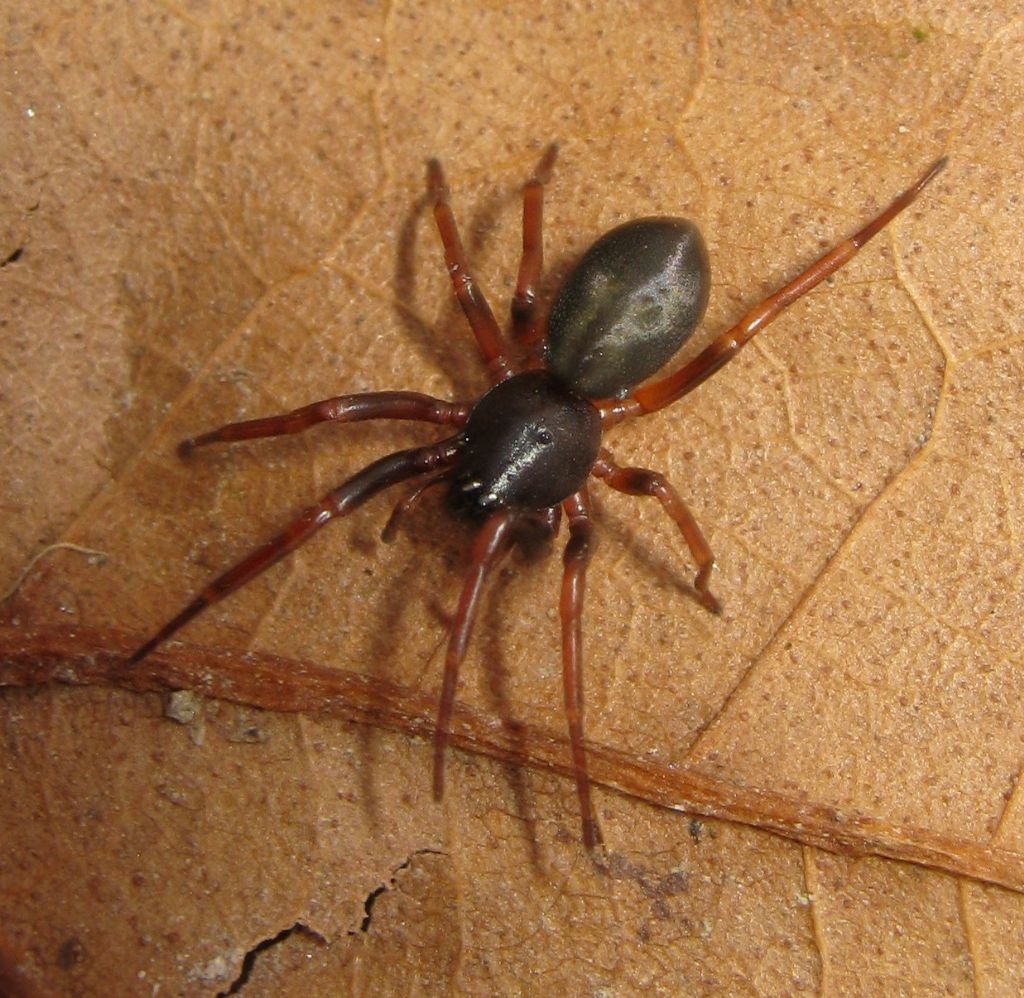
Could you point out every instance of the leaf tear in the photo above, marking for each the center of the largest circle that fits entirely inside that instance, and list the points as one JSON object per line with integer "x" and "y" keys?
{"x": 371, "y": 898}
{"x": 249, "y": 961}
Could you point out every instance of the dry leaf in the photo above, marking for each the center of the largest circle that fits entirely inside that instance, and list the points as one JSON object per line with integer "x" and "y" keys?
{"x": 209, "y": 213}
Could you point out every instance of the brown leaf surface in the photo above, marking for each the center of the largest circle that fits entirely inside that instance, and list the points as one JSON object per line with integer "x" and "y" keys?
{"x": 209, "y": 212}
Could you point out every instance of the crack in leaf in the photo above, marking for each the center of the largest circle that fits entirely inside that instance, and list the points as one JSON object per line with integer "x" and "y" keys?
{"x": 249, "y": 960}
{"x": 388, "y": 885}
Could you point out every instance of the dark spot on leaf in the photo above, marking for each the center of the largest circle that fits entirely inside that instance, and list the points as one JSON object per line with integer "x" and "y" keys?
{"x": 71, "y": 952}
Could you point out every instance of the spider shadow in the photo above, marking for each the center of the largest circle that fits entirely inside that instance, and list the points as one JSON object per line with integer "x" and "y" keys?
{"x": 672, "y": 575}
{"x": 495, "y": 672}
{"x": 419, "y": 537}
{"x": 386, "y": 647}
{"x": 420, "y": 528}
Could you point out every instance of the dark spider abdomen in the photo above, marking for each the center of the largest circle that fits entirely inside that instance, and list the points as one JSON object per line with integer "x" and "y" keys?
{"x": 529, "y": 444}
{"x": 631, "y": 302}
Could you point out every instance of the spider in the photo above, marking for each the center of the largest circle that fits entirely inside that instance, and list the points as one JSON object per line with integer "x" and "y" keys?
{"x": 523, "y": 454}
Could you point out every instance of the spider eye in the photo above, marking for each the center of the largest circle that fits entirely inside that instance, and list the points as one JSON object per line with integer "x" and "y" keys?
{"x": 544, "y": 436}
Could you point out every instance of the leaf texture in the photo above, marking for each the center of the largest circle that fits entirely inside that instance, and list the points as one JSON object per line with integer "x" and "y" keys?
{"x": 210, "y": 213}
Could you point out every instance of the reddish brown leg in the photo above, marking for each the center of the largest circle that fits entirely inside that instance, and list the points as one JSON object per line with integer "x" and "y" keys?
{"x": 489, "y": 546}
{"x": 408, "y": 503}
{"x": 641, "y": 482}
{"x": 666, "y": 391}
{"x": 525, "y": 326}
{"x": 576, "y": 558}
{"x": 472, "y": 300}
{"x": 339, "y": 502}
{"x": 343, "y": 409}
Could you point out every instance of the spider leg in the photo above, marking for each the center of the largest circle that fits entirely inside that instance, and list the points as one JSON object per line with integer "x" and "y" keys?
{"x": 667, "y": 390}
{"x": 575, "y": 560}
{"x": 537, "y": 528}
{"x": 474, "y": 304}
{"x": 489, "y": 547}
{"x": 642, "y": 482}
{"x": 409, "y": 502}
{"x": 339, "y": 502}
{"x": 343, "y": 409}
{"x": 525, "y": 327}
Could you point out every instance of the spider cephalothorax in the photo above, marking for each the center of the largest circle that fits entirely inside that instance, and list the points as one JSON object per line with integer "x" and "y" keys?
{"x": 524, "y": 453}
{"x": 529, "y": 443}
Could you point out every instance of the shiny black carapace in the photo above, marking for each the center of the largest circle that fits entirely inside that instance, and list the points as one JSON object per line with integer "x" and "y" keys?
{"x": 524, "y": 453}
